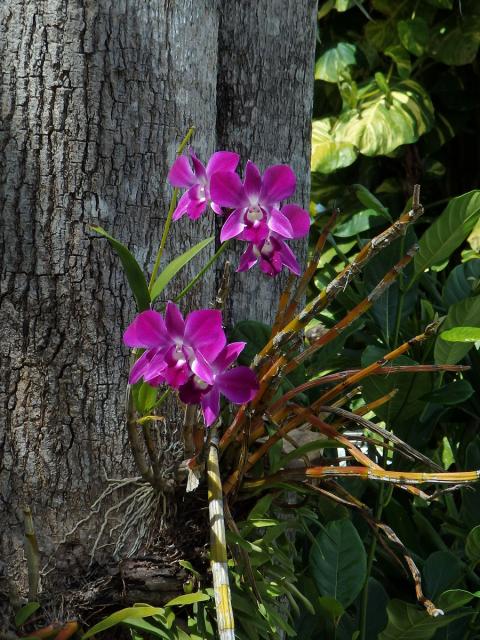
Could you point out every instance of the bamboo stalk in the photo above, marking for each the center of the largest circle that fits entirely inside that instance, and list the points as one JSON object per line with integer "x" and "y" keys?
{"x": 218, "y": 545}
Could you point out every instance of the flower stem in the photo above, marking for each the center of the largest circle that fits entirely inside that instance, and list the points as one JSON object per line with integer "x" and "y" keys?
{"x": 194, "y": 280}
{"x": 168, "y": 221}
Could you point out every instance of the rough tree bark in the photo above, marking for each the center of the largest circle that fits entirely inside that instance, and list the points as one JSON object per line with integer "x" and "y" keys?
{"x": 95, "y": 96}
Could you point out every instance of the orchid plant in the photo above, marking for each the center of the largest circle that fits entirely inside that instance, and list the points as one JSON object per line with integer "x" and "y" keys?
{"x": 190, "y": 357}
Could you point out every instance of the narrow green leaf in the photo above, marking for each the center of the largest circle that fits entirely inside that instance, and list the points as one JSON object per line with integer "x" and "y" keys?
{"x": 448, "y": 231}
{"x": 25, "y": 613}
{"x": 338, "y": 562}
{"x": 188, "y": 598}
{"x": 132, "y": 269}
{"x": 143, "y": 625}
{"x": 466, "y": 312}
{"x": 120, "y": 616}
{"x": 371, "y": 201}
{"x": 174, "y": 267}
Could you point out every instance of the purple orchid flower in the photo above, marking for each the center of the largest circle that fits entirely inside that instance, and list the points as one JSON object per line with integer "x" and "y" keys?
{"x": 175, "y": 348}
{"x": 197, "y": 182}
{"x": 255, "y": 202}
{"x": 273, "y": 252}
{"x": 239, "y": 384}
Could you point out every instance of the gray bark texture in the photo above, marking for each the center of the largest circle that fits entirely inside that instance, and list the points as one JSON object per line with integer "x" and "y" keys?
{"x": 96, "y": 95}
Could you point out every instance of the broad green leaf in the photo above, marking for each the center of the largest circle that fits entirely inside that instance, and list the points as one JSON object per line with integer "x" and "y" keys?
{"x": 409, "y": 622}
{"x": 121, "y": 616}
{"x": 334, "y": 62}
{"x": 448, "y": 231}
{"x": 331, "y": 607}
{"x": 338, "y": 562}
{"x": 464, "y": 313}
{"x": 328, "y": 154}
{"x": 25, "y": 613}
{"x": 455, "y": 598}
{"x": 455, "y": 41}
{"x": 382, "y": 123}
{"x": 174, "y": 267}
{"x": 441, "y": 571}
{"x": 376, "y": 609}
{"x": 361, "y": 221}
{"x": 379, "y": 34}
{"x": 461, "y": 334}
{"x": 414, "y": 35}
{"x": 401, "y": 59}
{"x": 134, "y": 274}
{"x": 472, "y": 545}
{"x": 451, "y": 393}
{"x": 188, "y": 598}
{"x": 255, "y": 334}
{"x": 462, "y": 282}
{"x": 470, "y": 509}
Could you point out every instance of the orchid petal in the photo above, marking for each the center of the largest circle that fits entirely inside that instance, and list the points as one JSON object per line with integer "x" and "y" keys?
{"x": 278, "y": 183}
{"x": 174, "y": 321}
{"x": 289, "y": 259}
{"x": 199, "y": 169}
{"x": 229, "y": 354}
{"x": 239, "y": 385}
{"x": 178, "y": 375}
{"x": 226, "y": 190}
{"x": 247, "y": 260}
{"x": 211, "y": 406}
{"x": 253, "y": 182}
{"x": 181, "y": 174}
{"x": 280, "y": 223}
{"x": 222, "y": 161}
{"x": 299, "y": 219}
{"x": 147, "y": 330}
{"x": 233, "y": 226}
{"x": 196, "y": 208}
{"x": 140, "y": 366}
{"x": 202, "y": 369}
{"x": 204, "y": 332}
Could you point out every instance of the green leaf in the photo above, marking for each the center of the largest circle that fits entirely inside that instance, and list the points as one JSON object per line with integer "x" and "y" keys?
{"x": 120, "y": 616}
{"x": 143, "y": 625}
{"x": 466, "y": 312}
{"x": 381, "y": 124}
{"x": 401, "y": 59}
{"x": 174, "y": 267}
{"x": 472, "y": 545}
{"x": 448, "y": 231}
{"x": 441, "y": 571}
{"x": 328, "y": 154}
{"x": 455, "y": 41}
{"x": 370, "y": 201}
{"x": 25, "y": 613}
{"x": 462, "y": 282}
{"x": 361, "y": 221}
{"x": 461, "y": 334}
{"x": 409, "y": 622}
{"x": 134, "y": 274}
{"x": 144, "y": 396}
{"x": 188, "y": 598}
{"x": 376, "y": 609}
{"x": 455, "y": 599}
{"x": 331, "y": 607}
{"x": 452, "y": 393}
{"x": 338, "y": 562}
{"x": 414, "y": 35}
{"x": 332, "y": 65}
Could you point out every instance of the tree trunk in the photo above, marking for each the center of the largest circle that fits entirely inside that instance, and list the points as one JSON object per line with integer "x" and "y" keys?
{"x": 96, "y": 95}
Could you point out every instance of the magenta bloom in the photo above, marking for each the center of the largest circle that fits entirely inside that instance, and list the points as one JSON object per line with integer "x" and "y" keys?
{"x": 175, "y": 348}
{"x": 273, "y": 252}
{"x": 197, "y": 181}
{"x": 239, "y": 384}
{"x": 255, "y": 202}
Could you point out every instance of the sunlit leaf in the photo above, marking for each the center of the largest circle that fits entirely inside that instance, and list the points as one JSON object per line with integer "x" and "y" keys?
{"x": 465, "y": 313}
{"x": 334, "y": 62}
{"x": 329, "y": 154}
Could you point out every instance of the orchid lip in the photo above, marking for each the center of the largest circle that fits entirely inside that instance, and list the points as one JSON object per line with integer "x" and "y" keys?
{"x": 200, "y": 384}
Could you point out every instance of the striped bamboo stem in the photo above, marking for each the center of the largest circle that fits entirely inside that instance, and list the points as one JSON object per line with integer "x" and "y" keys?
{"x": 218, "y": 545}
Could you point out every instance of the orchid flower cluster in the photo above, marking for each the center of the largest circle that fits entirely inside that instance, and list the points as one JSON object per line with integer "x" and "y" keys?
{"x": 191, "y": 355}
{"x": 252, "y": 207}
